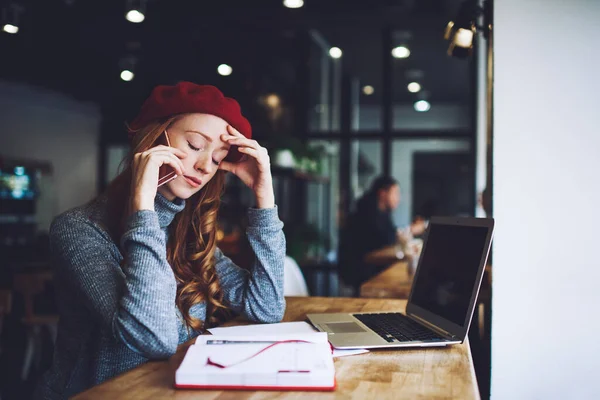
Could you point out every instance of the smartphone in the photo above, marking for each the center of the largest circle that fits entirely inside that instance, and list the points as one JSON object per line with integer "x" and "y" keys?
{"x": 166, "y": 173}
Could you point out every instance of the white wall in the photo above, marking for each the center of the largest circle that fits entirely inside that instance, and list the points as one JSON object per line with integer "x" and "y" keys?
{"x": 546, "y": 301}
{"x": 42, "y": 125}
{"x": 115, "y": 155}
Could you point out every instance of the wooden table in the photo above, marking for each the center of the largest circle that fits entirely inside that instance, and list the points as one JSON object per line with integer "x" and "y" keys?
{"x": 394, "y": 282}
{"x": 383, "y": 374}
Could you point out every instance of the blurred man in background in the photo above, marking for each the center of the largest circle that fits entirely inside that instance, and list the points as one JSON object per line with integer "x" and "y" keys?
{"x": 371, "y": 227}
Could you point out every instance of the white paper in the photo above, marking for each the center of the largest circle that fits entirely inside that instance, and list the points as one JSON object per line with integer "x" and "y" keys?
{"x": 269, "y": 330}
{"x": 282, "y": 328}
{"x": 349, "y": 352}
{"x": 284, "y": 365}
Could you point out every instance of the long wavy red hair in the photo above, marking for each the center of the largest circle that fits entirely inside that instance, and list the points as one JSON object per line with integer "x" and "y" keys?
{"x": 192, "y": 234}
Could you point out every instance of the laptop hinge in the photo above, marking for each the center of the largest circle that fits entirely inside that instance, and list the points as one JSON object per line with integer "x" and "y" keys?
{"x": 437, "y": 329}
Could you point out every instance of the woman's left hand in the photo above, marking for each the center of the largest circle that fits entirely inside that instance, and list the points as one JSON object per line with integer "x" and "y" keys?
{"x": 254, "y": 169}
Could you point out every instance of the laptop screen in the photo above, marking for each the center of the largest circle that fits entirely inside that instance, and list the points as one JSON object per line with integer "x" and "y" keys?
{"x": 448, "y": 269}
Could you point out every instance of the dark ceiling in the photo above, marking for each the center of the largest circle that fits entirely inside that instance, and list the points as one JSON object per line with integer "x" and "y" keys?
{"x": 75, "y": 46}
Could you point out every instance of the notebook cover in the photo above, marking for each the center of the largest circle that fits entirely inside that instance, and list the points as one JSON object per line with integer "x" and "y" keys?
{"x": 272, "y": 388}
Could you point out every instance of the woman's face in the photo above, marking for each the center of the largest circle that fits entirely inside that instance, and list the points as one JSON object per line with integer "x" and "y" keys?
{"x": 198, "y": 135}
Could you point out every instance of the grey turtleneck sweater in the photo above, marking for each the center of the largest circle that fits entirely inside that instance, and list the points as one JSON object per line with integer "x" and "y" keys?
{"x": 114, "y": 318}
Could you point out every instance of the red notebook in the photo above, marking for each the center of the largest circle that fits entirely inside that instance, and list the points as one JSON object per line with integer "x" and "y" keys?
{"x": 282, "y": 362}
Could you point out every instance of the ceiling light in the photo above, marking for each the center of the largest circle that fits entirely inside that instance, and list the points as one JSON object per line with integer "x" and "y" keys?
{"x": 8, "y": 28}
{"x": 135, "y": 16}
{"x": 414, "y": 87}
{"x": 273, "y": 100}
{"x": 464, "y": 38}
{"x": 135, "y": 11}
{"x": 335, "y": 52}
{"x": 368, "y": 90}
{"x": 127, "y": 75}
{"x": 400, "y": 52}
{"x": 127, "y": 65}
{"x": 461, "y": 40}
{"x": 293, "y": 3}
{"x": 460, "y": 32}
{"x": 422, "y": 106}
{"x": 224, "y": 70}
{"x": 10, "y": 18}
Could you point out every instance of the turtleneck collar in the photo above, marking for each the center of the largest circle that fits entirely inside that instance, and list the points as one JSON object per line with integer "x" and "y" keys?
{"x": 166, "y": 209}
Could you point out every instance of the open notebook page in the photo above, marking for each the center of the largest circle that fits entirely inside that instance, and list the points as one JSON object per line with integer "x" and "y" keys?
{"x": 247, "y": 365}
{"x": 300, "y": 327}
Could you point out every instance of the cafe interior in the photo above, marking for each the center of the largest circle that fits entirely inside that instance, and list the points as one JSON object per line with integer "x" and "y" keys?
{"x": 343, "y": 94}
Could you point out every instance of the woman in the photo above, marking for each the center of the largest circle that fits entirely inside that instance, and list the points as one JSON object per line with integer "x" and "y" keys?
{"x": 138, "y": 271}
{"x": 374, "y": 214}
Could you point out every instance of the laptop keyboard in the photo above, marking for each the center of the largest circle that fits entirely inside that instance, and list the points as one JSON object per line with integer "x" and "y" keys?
{"x": 396, "y": 326}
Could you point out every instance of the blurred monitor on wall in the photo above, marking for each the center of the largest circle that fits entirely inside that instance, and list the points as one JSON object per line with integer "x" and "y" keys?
{"x": 19, "y": 191}
{"x": 17, "y": 183}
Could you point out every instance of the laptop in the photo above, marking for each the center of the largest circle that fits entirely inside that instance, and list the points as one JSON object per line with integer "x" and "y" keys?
{"x": 442, "y": 297}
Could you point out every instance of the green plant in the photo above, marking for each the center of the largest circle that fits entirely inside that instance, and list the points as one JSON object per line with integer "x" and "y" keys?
{"x": 312, "y": 153}
{"x": 302, "y": 240}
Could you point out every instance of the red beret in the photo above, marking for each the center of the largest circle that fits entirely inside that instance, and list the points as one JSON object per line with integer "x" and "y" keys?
{"x": 188, "y": 97}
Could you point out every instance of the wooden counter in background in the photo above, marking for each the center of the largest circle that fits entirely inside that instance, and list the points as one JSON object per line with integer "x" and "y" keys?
{"x": 394, "y": 282}
{"x": 442, "y": 373}
{"x": 384, "y": 256}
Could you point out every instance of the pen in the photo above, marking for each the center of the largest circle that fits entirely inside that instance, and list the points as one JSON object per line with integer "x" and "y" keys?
{"x": 293, "y": 370}
{"x": 238, "y": 341}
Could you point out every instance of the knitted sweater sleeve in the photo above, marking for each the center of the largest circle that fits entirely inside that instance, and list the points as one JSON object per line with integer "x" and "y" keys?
{"x": 136, "y": 301}
{"x": 257, "y": 294}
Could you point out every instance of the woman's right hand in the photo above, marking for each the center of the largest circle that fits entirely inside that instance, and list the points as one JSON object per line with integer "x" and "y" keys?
{"x": 145, "y": 169}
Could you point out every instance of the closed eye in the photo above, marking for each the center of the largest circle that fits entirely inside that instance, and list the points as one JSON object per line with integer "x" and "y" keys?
{"x": 216, "y": 162}
{"x": 192, "y": 147}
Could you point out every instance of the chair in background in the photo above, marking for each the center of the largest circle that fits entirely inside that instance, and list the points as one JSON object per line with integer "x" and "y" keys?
{"x": 29, "y": 285}
{"x": 294, "y": 283}
{"x": 5, "y": 308}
